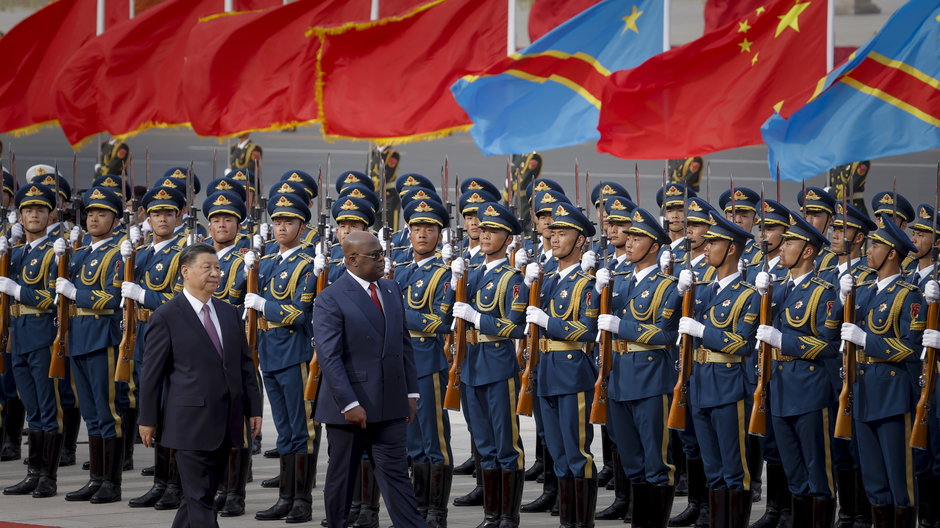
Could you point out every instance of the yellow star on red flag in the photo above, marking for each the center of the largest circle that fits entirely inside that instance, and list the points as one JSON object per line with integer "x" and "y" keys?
{"x": 791, "y": 19}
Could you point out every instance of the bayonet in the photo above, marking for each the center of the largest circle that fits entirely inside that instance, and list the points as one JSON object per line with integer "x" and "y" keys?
{"x": 636, "y": 177}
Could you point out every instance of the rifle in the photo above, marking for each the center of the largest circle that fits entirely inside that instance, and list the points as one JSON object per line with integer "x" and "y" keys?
{"x": 527, "y": 385}
{"x": 680, "y": 393}
{"x": 758, "y": 423}
{"x": 4, "y": 298}
{"x": 387, "y": 231}
{"x": 122, "y": 371}
{"x": 668, "y": 248}
{"x": 605, "y": 350}
{"x": 843, "y": 427}
{"x": 312, "y": 387}
{"x": 191, "y": 226}
{"x": 928, "y": 377}
{"x": 60, "y": 347}
{"x": 251, "y": 281}
{"x": 452, "y": 396}
{"x": 636, "y": 177}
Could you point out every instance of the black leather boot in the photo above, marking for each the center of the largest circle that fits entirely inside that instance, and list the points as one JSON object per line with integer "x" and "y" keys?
{"x": 285, "y": 499}
{"x": 173, "y": 495}
{"x": 777, "y": 512}
{"x": 739, "y": 508}
{"x": 302, "y": 509}
{"x": 129, "y": 427}
{"x": 369, "y": 507}
{"x": 927, "y": 491}
{"x": 905, "y": 516}
{"x": 824, "y": 510}
{"x": 161, "y": 468}
{"x": 13, "y": 430}
{"x": 110, "y": 490}
{"x": 71, "y": 423}
{"x": 621, "y": 504}
{"x": 802, "y": 507}
{"x": 441, "y": 478}
{"x": 755, "y": 464}
{"x": 467, "y": 467}
{"x": 538, "y": 467}
{"x": 882, "y": 515}
{"x": 49, "y": 468}
{"x": 642, "y": 504}
{"x": 660, "y": 505}
{"x": 566, "y": 502}
{"x": 511, "y": 482}
{"x": 421, "y": 482}
{"x": 34, "y": 442}
{"x": 864, "y": 514}
{"x": 718, "y": 515}
{"x": 475, "y": 497}
{"x": 95, "y": 471}
{"x": 845, "y": 487}
{"x": 239, "y": 461}
{"x": 492, "y": 498}
{"x": 546, "y": 501}
{"x": 679, "y": 461}
{"x": 585, "y": 502}
{"x": 607, "y": 449}
{"x": 697, "y": 512}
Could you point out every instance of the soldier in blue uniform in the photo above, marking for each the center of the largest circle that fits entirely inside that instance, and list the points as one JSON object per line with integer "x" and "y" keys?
{"x": 302, "y": 192}
{"x": 232, "y": 189}
{"x": 425, "y": 283}
{"x": 310, "y": 235}
{"x": 568, "y": 316}
{"x": 95, "y": 333}
{"x": 157, "y": 281}
{"x": 776, "y": 220}
{"x": 12, "y": 413}
{"x": 178, "y": 174}
{"x": 806, "y": 316}
{"x": 888, "y": 205}
{"x": 350, "y": 214}
{"x": 724, "y": 325}
{"x": 818, "y": 208}
{"x": 699, "y": 216}
{"x": 489, "y": 376}
{"x": 31, "y": 291}
{"x": 742, "y": 210}
{"x": 671, "y": 200}
{"x": 401, "y": 250}
{"x": 644, "y": 325}
{"x": 284, "y": 305}
{"x": 469, "y": 205}
{"x": 888, "y": 327}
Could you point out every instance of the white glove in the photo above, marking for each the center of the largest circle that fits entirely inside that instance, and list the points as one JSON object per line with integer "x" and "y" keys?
{"x": 127, "y": 249}
{"x": 467, "y": 313}
{"x": 264, "y": 230}
{"x": 932, "y": 292}
{"x": 65, "y": 287}
{"x": 132, "y": 291}
{"x": 97, "y": 167}
{"x": 250, "y": 259}
{"x": 846, "y": 281}
{"x": 145, "y": 227}
{"x": 537, "y": 316}
{"x": 12, "y": 217}
{"x": 522, "y": 258}
{"x": 770, "y": 335}
{"x": 513, "y": 244}
{"x": 853, "y": 334}
{"x": 381, "y": 236}
{"x": 255, "y": 302}
{"x": 447, "y": 253}
{"x": 259, "y": 242}
{"x": 742, "y": 266}
{"x": 690, "y": 326}
{"x": 75, "y": 235}
{"x": 388, "y": 265}
{"x": 588, "y": 260}
{"x": 931, "y": 339}
{"x": 532, "y": 271}
{"x": 60, "y": 246}
{"x": 4, "y": 245}
{"x": 457, "y": 268}
{"x": 319, "y": 264}
{"x": 686, "y": 278}
{"x": 16, "y": 232}
{"x": 10, "y": 287}
{"x": 601, "y": 279}
{"x": 762, "y": 282}
{"x": 665, "y": 260}
{"x": 135, "y": 235}
{"x": 445, "y": 237}
{"x": 610, "y": 323}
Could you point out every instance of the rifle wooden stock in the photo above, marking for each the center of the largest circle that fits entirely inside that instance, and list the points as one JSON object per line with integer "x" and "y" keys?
{"x": 251, "y": 317}
{"x": 605, "y": 358}
{"x": 122, "y": 372}
{"x": 312, "y": 387}
{"x": 758, "y": 423}
{"x": 928, "y": 384}
{"x": 527, "y": 384}
{"x": 520, "y": 353}
{"x": 843, "y": 428}
{"x": 452, "y": 395}
{"x": 60, "y": 347}
{"x": 680, "y": 393}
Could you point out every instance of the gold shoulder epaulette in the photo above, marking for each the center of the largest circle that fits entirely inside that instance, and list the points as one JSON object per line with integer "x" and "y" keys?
{"x": 667, "y": 276}
{"x": 824, "y": 284}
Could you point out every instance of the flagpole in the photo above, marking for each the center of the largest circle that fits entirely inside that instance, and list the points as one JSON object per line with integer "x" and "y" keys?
{"x": 830, "y": 34}
{"x": 228, "y": 6}
{"x": 667, "y": 9}
{"x": 374, "y": 11}
{"x": 511, "y": 28}
{"x": 99, "y": 18}
{"x": 131, "y": 11}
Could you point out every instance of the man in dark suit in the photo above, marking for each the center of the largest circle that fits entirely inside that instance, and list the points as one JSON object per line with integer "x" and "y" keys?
{"x": 369, "y": 387}
{"x": 196, "y": 347}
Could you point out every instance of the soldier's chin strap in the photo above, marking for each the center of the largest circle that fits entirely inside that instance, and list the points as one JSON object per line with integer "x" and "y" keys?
{"x": 723, "y": 258}
{"x": 649, "y": 250}
{"x": 797, "y": 261}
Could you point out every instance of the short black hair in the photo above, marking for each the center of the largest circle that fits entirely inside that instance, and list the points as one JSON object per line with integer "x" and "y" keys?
{"x": 190, "y": 253}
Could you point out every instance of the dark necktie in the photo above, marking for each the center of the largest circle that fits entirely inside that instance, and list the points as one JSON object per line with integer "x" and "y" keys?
{"x": 716, "y": 288}
{"x": 375, "y": 299}
{"x": 790, "y": 287}
{"x": 210, "y": 329}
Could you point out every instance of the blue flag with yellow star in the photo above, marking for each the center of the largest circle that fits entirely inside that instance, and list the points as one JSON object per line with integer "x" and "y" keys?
{"x": 884, "y": 101}
{"x": 548, "y": 95}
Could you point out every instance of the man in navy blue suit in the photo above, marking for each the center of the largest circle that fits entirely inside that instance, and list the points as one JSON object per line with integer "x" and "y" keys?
{"x": 369, "y": 388}
{"x": 210, "y": 384}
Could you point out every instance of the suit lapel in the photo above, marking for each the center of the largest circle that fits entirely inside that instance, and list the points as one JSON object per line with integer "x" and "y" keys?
{"x": 364, "y": 303}
{"x": 190, "y": 315}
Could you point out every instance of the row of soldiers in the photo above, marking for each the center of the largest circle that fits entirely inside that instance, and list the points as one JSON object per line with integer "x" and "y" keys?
{"x": 562, "y": 296}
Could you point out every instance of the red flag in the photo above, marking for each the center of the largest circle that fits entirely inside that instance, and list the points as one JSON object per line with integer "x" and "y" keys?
{"x": 389, "y": 80}
{"x": 33, "y": 52}
{"x": 388, "y": 8}
{"x": 546, "y": 15}
{"x": 721, "y": 12}
{"x": 242, "y": 71}
{"x": 714, "y": 93}
{"x": 130, "y": 75}
{"x": 120, "y": 10}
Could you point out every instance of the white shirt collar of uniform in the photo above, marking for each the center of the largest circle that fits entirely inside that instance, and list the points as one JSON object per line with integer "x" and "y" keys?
{"x": 884, "y": 282}
{"x": 197, "y": 304}
{"x": 844, "y": 266}
{"x": 799, "y": 280}
{"x": 728, "y": 280}
{"x": 565, "y": 272}
{"x": 362, "y": 282}
{"x": 474, "y": 250}
{"x": 490, "y": 265}
{"x": 52, "y": 227}
{"x": 675, "y": 243}
{"x": 621, "y": 259}
{"x": 924, "y": 273}
{"x": 284, "y": 255}
{"x": 422, "y": 262}
{"x": 35, "y": 243}
{"x": 642, "y": 274}
{"x": 241, "y": 144}
{"x": 98, "y": 244}
{"x": 547, "y": 254}
{"x": 224, "y": 251}
{"x": 158, "y": 246}
{"x": 697, "y": 259}
{"x": 772, "y": 263}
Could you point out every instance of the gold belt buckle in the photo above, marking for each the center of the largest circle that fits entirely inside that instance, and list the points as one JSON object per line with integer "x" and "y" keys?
{"x": 472, "y": 336}
{"x": 544, "y": 344}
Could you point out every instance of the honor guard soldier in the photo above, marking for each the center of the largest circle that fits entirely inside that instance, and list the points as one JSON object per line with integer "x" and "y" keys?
{"x": 478, "y": 184}
{"x": 776, "y": 221}
{"x": 157, "y": 281}
{"x": 852, "y": 176}
{"x": 524, "y": 170}
{"x": 8, "y": 184}
{"x": 686, "y": 171}
{"x": 724, "y": 324}
{"x": 115, "y": 156}
{"x": 32, "y": 329}
{"x": 644, "y": 325}
{"x": 599, "y": 194}
{"x": 889, "y": 205}
{"x": 699, "y": 217}
{"x": 425, "y": 283}
{"x": 818, "y": 208}
{"x": 299, "y": 193}
{"x": 247, "y": 180}
{"x": 310, "y": 235}
{"x": 93, "y": 339}
{"x": 350, "y": 214}
{"x": 13, "y": 414}
{"x": 566, "y": 374}
{"x": 543, "y": 205}
{"x": 45, "y": 175}
{"x": 388, "y": 158}
{"x": 806, "y": 315}
{"x": 284, "y": 305}
{"x": 179, "y": 175}
{"x": 469, "y": 204}
{"x": 888, "y": 328}
{"x": 245, "y": 154}
{"x": 489, "y": 375}
{"x": 850, "y": 222}
{"x": 232, "y": 189}
{"x": 671, "y": 200}
{"x": 740, "y": 206}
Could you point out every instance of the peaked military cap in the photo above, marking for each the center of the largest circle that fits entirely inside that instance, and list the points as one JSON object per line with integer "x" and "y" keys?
{"x": 567, "y": 215}
{"x": 363, "y": 193}
{"x": 49, "y": 180}
{"x": 927, "y": 219}
{"x": 350, "y": 177}
{"x": 419, "y": 193}
{"x": 113, "y": 182}
{"x": 618, "y": 209}
{"x": 227, "y": 184}
{"x": 35, "y": 194}
{"x": 495, "y": 216}
{"x": 428, "y": 212}
{"x": 891, "y": 234}
{"x": 8, "y": 181}
{"x": 354, "y": 209}
{"x": 744, "y": 199}
{"x": 470, "y": 201}
{"x": 227, "y": 202}
{"x": 39, "y": 170}
{"x": 179, "y": 173}
{"x": 542, "y": 184}
{"x": 478, "y": 184}
{"x": 816, "y": 200}
{"x": 724, "y": 229}
{"x": 884, "y": 203}
{"x": 287, "y": 187}
{"x": 645, "y": 223}
{"x": 607, "y": 188}
{"x": 103, "y": 198}
{"x": 160, "y": 198}
{"x": 773, "y": 213}
{"x": 853, "y": 217}
{"x": 412, "y": 180}
{"x": 545, "y": 201}
{"x": 301, "y": 177}
{"x": 803, "y": 230}
{"x": 697, "y": 210}
{"x": 243, "y": 176}
{"x": 673, "y": 194}
{"x": 289, "y": 205}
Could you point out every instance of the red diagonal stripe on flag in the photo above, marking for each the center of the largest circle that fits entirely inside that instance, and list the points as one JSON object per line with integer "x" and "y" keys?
{"x": 579, "y": 72}
{"x": 900, "y": 82}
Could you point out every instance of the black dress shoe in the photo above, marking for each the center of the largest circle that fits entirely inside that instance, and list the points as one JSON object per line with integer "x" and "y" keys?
{"x": 234, "y": 506}
{"x": 466, "y": 468}
{"x": 147, "y": 500}
{"x": 147, "y": 471}
{"x": 272, "y": 482}
{"x": 171, "y": 498}
{"x": 474, "y": 498}
{"x": 272, "y": 453}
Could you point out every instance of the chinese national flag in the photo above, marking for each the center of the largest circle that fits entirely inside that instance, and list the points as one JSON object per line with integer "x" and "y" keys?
{"x": 714, "y": 93}
{"x": 33, "y": 51}
{"x": 546, "y": 15}
{"x": 389, "y": 80}
{"x": 721, "y": 12}
{"x": 253, "y": 70}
